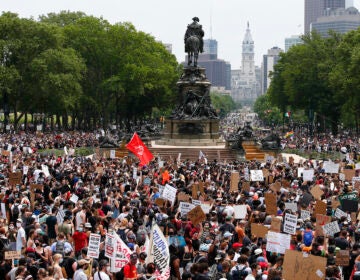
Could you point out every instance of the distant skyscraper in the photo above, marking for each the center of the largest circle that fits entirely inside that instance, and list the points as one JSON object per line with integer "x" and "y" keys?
{"x": 245, "y": 88}
{"x": 340, "y": 21}
{"x": 292, "y": 41}
{"x": 316, "y": 8}
{"x": 269, "y": 61}
{"x": 211, "y": 47}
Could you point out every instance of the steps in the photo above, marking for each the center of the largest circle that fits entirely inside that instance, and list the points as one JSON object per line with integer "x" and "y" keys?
{"x": 252, "y": 151}
{"x": 220, "y": 154}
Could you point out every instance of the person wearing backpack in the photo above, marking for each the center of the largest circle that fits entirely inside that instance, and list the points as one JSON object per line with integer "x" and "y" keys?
{"x": 241, "y": 270}
{"x": 61, "y": 246}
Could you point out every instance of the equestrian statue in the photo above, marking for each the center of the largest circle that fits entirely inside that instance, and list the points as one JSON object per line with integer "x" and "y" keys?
{"x": 193, "y": 40}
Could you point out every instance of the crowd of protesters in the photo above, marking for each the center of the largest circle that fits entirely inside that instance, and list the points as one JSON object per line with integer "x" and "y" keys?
{"x": 112, "y": 197}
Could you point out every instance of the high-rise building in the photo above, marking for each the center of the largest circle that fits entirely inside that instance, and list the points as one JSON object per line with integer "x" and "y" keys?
{"x": 316, "y": 8}
{"x": 245, "y": 88}
{"x": 269, "y": 61}
{"x": 340, "y": 20}
{"x": 217, "y": 70}
{"x": 292, "y": 41}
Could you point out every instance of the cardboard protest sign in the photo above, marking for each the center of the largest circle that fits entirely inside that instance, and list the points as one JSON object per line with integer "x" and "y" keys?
{"x": 15, "y": 178}
{"x": 110, "y": 245}
{"x": 197, "y": 190}
{"x": 256, "y": 175}
{"x": 285, "y": 183}
{"x": 349, "y": 174}
{"x": 12, "y": 255}
{"x": 342, "y": 258}
{"x": 277, "y": 242}
{"x": 160, "y": 202}
{"x": 320, "y": 221}
{"x": 276, "y": 187}
{"x": 245, "y": 186}
{"x": 299, "y": 266}
{"x": 5, "y": 153}
{"x": 275, "y": 224}
{"x": 316, "y": 192}
{"x": 234, "y": 181}
{"x": 331, "y": 228}
{"x": 196, "y": 215}
{"x": 94, "y": 246}
{"x": 320, "y": 207}
{"x": 290, "y": 222}
{"x": 240, "y": 211}
{"x": 259, "y": 230}
{"x": 270, "y": 202}
{"x": 183, "y": 197}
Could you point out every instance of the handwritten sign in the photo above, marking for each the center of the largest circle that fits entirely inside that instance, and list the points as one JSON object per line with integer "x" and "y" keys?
{"x": 196, "y": 215}
{"x": 270, "y": 202}
{"x": 316, "y": 192}
{"x": 169, "y": 193}
{"x": 277, "y": 242}
{"x": 349, "y": 174}
{"x": 12, "y": 255}
{"x": 308, "y": 175}
{"x": 197, "y": 190}
{"x": 320, "y": 207}
{"x": 275, "y": 224}
{"x": 342, "y": 258}
{"x": 240, "y": 211}
{"x": 234, "y": 181}
{"x": 94, "y": 245}
{"x": 256, "y": 175}
{"x": 110, "y": 245}
{"x": 183, "y": 197}
{"x": 331, "y": 167}
{"x": 259, "y": 230}
{"x": 331, "y": 228}
{"x": 290, "y": 222}
{"x": 15, "y": 178}
{"x": 305, "y": 215}
{"x": 291, "y": 206}
{"x": 185, "y": 207}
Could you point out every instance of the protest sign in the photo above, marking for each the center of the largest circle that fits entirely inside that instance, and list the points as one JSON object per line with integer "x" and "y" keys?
{"x": 195, "y": 202}
{"x": 342, "y": 258}
{"x": 197, "y": 190}
{"x": 308, "y": 175}
{"x": 285, "y": 183}
{"x": 206, "y": 208}
{"x": 185, "y": 207}
{"x": 290, "y": 222}
{"x": 112, "y": 154}
{"x": 256, "y": 175}
{"x": 240, "y": 211}
{"x": 300, "y": 266}
{"x": 331, "y": 228}
{"x": 277, "y": 242}
{"x": 3, "y": 210}
{"x": 276, "y": 187}
{"x": 349, "y": 174}
{"x": 15, "y": 178}
{"x": 259, "y": 230}
{"x": 234, "y": 181}
{"x": 320, "y": 207}
{"x": 33, "y": 188}
{"x": 74, "y": 198}
{"x": 196, "y": 215}
{"x": 169, "y": 193}
{"x": 275, "y": 224}
{"x": 147, "y": 181}
{"x": 160, "y": 202}
{"x": 316, "y": 192}
{"x": 305, "y": 214}
{"x": 331, "y": 167}
{"x": 94, "y": 246}
{"x": 339, "y": 214}
{"x": 300, "y": 171}
{"x": 121, "y": 256}
{"x": 158, "y": 253}
{"x": 9, "y": 255}
{"x": 291, "y": 206}
{"x": 349, "y": 201}
{"x": 246, "y": 174}
{"x": 245, "y": 186}
{"x": 110, "y": 245}
{"x": 320, "y": 221}
{"x": 270, "y": 202}
{"x": 183, "y": 197}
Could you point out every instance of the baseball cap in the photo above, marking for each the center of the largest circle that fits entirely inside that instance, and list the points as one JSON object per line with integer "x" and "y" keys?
{"x": 227, "y": 234}
{"x": 237, "y": 245}
{"x": 258, "y": 251}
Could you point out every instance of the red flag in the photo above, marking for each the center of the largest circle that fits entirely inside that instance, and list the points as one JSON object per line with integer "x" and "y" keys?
{"x": 138, "y": 148}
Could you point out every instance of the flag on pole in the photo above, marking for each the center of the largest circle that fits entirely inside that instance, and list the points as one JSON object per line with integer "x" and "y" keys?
{"x": 201, "y": 155}
{"x": 138, "y": 148}
{"x": 289, "y": 134}
{"x": 288, "y": 114}
{"x": 158, "y": 253}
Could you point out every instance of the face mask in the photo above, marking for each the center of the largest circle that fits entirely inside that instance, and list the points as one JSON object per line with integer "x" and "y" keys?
{"x": 108, "y": 269}
{"x": 18, "y": 225}
{"x": 61, "y": 260}
{"x": 259, "y": 272}
{"x": 11, "y": 228}
{"x": 80, "y": 230}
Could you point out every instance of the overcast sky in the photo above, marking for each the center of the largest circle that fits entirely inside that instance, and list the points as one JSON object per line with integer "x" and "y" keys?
{"x": 271, "y": 21}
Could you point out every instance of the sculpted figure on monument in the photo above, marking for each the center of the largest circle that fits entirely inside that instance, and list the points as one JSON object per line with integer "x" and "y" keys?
{"x": 193, "y": 40}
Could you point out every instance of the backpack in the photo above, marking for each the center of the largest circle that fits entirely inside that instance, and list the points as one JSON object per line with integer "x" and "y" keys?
{"x": 239, "y": 273}
{"x": 15, "y": 211}
{"x": 60, "y": 248}
{"x": 308, "y": 237}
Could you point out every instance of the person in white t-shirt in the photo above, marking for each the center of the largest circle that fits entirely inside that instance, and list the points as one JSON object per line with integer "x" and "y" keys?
{"x": 21, "y": 236}
{"x": 103, "y": 272}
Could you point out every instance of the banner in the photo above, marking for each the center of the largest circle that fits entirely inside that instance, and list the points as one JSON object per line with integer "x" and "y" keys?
{"x": 158, "y": 253}
{"x": 110, "y": 245}
{"x": 121, "y": 256}
{"x": 138, "y": 148}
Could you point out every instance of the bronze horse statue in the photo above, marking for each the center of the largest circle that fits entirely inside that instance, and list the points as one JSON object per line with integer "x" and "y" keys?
{"x": 193, "y": 47}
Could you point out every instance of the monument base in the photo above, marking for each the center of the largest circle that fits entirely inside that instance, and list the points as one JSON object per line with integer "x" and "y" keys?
{"x": 191, "y": 133}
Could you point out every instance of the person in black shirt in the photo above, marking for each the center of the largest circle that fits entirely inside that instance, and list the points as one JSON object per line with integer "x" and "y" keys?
{"x": 341, "y": 241}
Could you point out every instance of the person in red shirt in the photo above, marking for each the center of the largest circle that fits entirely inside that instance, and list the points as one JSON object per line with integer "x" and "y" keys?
{"x": 80, "y": 240}
{"x": 130, "y": 272}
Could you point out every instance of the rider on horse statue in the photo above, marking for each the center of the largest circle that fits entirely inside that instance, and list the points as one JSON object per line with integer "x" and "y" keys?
{"x": 194, "y": 29}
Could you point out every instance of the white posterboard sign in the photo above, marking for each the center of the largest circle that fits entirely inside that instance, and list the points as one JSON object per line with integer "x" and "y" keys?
{"x": 196, "y": 202}
{"x": 3, "y": 210}
{"x": 185, "y": 207}
{"x": 256, "y": 175}
{"x": 206, "y": 208}
{"x": 305, "y": 214}
{"x": 331, "y": 228}
{"x": 94, "y": 245}
{"x": 112, "y": 154}
{"x": 110, "y": 245}
{"x": 240, "y": 211}
{"x": 277, "y": 242}
{"x": 300, "y": 170}
{"x": 246, "y": 174}
{"x": 291, "y": 206}
{"x": 308, "y": 175}
{"x": 290, "y": 223}
{"x": 74, "y": 198}
{"x": 169, "y": 193}
{"x": 330, "y": 167}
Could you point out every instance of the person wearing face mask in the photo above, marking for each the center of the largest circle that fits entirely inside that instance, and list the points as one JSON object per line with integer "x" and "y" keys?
{"x": 255, "y": 272}
{"x": 103, "y": 272}
{"x": 21, "y": 236}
